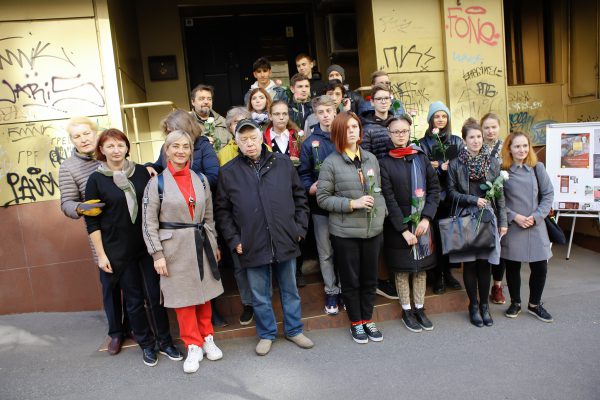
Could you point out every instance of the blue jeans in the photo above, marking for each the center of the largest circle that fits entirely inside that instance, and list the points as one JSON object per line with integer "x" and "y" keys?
{"x": 259, "y": 279}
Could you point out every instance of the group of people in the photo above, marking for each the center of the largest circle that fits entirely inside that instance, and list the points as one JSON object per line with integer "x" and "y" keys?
{"x": 245, "y": 190}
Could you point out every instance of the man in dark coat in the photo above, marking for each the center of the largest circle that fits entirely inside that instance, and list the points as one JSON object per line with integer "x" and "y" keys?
{"x": 262, "y": 213}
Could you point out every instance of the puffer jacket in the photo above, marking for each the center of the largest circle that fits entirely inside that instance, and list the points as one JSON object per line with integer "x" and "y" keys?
{"x": 458, "y": 187}
{"x": 339, "y": 183}
{"x": 375, "y": 134}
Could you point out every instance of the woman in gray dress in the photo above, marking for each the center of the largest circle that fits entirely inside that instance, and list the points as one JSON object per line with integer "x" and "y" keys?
{"x": 529, "y": 195}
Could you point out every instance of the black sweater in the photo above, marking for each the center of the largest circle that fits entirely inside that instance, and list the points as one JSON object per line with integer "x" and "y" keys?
{"x": 121, "y": 239}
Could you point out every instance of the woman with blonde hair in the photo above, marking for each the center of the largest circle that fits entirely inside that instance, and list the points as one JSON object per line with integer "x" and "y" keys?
{"x": 529, "y": 195}
{"x": 178, "y": 216}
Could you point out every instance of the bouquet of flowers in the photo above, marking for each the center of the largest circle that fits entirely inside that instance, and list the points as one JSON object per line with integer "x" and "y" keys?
{"x": 371, "y": 190}
{"x": 209, "y": 126}
{"x": 492, "y": 191}
{"x": 297, "y": 148}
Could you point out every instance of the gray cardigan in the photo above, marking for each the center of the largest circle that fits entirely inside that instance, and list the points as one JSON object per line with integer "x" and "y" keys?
{"x": 521, "y": 194}
{"x": 338, "y": 184}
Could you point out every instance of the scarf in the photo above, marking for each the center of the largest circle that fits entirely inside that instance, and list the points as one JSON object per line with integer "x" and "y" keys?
{"x": 401, "y": 152}
{"x": 477, "y": 165}
{"x": 424, "y": 246}
{"x": 121, "y": 180}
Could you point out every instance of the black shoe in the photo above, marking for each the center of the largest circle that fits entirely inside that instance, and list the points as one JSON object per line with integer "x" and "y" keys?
{"x": 422, "y": 319}
{"x": 439, "y": 287}
{"x": 386, "y": 289}
{"x": 172, "y": 352}
{"x": 451, "y": 281}
{"x": 149, "y": 356}
{"x": 410, "y": 322}
{"x": 475, "y": 316}
{"x": 540, "y": 313}
{"x": 247, "y": 315}
{"x": 358, "y": 334}
{"x": 216, "y": 318}
{"x": 372, "y": 332}
{"x": 513, "y": 311}
{"x": 485, "y": 315}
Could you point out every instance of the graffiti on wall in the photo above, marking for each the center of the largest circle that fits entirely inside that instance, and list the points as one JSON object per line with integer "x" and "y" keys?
{"x": 527, "y": 113}
{"x": 47, "y": 73}
{"x": 472, "y": 25}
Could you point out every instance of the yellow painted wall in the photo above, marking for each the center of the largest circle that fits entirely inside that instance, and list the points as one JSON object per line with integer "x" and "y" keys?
{"x": 474, "y": 37}
{"x": 52, "y": 69}
{"x": 409, "y": 46}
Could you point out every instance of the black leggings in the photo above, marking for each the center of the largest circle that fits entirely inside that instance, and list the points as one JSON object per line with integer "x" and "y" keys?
{"x": 537, "y": 280}
{"x": 498, "y": 271}
{"x": 476, "y": 276}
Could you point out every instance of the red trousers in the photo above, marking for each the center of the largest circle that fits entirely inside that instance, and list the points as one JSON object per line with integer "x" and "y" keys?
{"x": 194, "y": 323}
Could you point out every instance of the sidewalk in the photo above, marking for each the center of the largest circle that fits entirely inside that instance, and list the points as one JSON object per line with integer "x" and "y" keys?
{"x": 53, "y": 356}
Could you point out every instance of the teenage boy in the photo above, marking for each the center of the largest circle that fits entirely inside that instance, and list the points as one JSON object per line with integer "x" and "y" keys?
{"x": 314, "y": 151}
{"x": 377, "y": 141}
{"x": 299, "y": 104}
{"x": 335, "y": 71}
{"x": 337, "y": 91}
{"x": 261, "y": 69}
{"x": 305, "y": 65}
{"x": 381, "y": 78}
{"x": 261, "y": 209}
{"x": 202, "y": 103}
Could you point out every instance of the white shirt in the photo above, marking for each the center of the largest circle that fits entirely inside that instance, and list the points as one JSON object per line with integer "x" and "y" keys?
{"x": 281, "y": 139}
{"x": 270, "y": 88}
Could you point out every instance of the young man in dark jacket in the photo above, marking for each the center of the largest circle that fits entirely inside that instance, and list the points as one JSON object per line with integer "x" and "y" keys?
{"x": 314, "y": 151}
{"x": 375, "y": 134}
{"x": 335, "y": 71}
{"x": 299, "y": 105}
{"x": 262, "y": 213}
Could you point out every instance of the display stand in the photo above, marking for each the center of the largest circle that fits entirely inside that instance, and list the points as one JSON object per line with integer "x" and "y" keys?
{"x": 575, "y": 214}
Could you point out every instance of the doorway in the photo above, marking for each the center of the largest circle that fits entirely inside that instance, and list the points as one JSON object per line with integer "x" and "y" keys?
{"x": 222, "y": 44}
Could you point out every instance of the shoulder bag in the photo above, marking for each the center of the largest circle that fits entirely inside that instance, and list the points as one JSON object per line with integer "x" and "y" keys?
{"x": 555, "y": 233}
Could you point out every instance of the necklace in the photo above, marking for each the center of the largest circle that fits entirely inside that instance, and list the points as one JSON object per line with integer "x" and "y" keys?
{"x": 191, "y": 200}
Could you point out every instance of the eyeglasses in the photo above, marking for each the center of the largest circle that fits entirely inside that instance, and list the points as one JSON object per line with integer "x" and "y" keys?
{"x": 381, "y": 99}
{"x": 402, "y": 132}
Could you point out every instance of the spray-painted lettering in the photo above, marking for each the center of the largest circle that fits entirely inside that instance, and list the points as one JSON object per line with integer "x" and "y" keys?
{"x": 470, "y": 24}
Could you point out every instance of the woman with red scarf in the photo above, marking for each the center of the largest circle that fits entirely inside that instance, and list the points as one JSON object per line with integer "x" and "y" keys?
{"x": 178, "y": 216}
{"x": 411, "y": 190}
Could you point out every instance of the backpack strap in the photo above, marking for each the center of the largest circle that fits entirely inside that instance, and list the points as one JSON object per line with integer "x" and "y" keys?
{"x": 161, "y": 186}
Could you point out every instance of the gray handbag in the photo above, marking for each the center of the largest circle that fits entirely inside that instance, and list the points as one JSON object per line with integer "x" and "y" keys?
{"x": 460, "y": 234}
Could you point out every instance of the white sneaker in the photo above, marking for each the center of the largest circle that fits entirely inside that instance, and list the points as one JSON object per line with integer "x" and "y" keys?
{"x": 211, "y": 350}
{"x": 192, "y": 362}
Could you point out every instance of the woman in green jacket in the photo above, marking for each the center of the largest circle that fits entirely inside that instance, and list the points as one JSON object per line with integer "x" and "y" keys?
{"x": 350, "y": 189}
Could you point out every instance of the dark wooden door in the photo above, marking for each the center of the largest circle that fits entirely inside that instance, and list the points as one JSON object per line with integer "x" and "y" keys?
{"x": 221, "y": 49}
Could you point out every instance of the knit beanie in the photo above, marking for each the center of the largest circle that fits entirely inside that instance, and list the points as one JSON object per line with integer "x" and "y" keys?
{"x": 338, "y": 68}
{"x": 435, "y": 107}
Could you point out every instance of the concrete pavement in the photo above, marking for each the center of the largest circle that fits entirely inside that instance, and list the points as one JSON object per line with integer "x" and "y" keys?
{"x": 53, "y": 356}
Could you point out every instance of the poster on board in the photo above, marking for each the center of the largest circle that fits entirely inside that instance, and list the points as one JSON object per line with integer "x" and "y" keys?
{"x": 573, "y": 164}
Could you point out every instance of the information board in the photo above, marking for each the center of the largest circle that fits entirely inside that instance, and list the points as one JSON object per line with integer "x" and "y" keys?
{"x": 573, "y": 164}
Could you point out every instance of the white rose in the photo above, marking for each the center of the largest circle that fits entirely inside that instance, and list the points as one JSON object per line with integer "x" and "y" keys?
{"x": 210, "y": 120}
{"x": 504, "y": 175}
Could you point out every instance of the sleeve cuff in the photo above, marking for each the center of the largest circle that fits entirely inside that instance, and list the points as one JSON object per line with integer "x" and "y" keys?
{"x": 158, "y": 255}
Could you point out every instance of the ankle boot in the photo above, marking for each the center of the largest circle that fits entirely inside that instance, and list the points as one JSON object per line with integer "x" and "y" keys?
{"x": 485, "y": 315}
{"x": 439, "y": 287}
{"x": 450, "y": 281}
{"x": 216, "y": 319}
{"x": 474, "y": 315}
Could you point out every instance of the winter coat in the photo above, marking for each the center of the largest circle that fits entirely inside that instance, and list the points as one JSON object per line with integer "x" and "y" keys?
{"x": 459, "y": 193}
{"x": 72, "y": 178}
{"x": 264, "y": 209}
{"x": 427, "y": 143}
{"x": 365, "y": 105}
{"x": 521, "y": 192}
{"x": 183, "y": 287}
{"x": 228, "y": 152}
{"x": 221, "y": 131}
{"x": 310, "y": 158}
{"x": 299, "y": 112}
{"x": 339, "y": 183}
{"x": 375, "y": 134}
{"x": 355, "y": 100}
{"x": 204, "y": 161}
{"x": 396, "y": 179}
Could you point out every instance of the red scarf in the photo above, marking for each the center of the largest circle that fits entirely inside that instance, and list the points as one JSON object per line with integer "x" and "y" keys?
{"x": 401, "y": 152}
{"x": 183, "y": 178}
